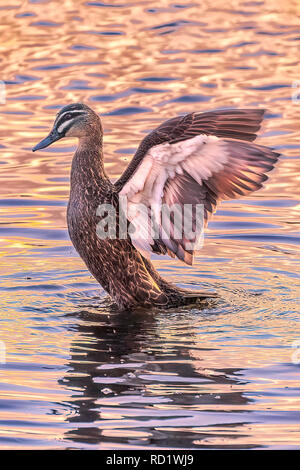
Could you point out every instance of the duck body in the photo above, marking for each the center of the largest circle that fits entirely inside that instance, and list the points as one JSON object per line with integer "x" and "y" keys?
{"x": 197, "y": 159}
{"x": 114, "y": 263}
{"x": 130, "y": 279}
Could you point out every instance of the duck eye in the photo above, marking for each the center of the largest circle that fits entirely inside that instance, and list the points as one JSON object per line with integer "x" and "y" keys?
{"x": 68, "y": 116}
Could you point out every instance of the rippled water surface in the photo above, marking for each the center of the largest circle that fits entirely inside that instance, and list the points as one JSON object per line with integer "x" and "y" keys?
{"x": 77, "y": 373}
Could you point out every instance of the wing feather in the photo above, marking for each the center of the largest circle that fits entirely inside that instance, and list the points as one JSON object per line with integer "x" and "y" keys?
{"x": 240, "y": 124}
{"x": 190, "y": 161}
{"x": 188, "y": 174}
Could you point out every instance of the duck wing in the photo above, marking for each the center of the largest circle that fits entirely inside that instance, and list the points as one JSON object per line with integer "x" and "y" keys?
{"x": 182, "y": 170}
{"x": 241, "y": 124}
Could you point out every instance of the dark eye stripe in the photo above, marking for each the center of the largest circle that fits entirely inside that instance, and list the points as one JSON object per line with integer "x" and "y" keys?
{"x": 67, "y": 117}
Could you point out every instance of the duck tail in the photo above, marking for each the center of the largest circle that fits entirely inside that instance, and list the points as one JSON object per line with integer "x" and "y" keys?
{"x": 193, "y": 296}
{"x": 177, "y": 295}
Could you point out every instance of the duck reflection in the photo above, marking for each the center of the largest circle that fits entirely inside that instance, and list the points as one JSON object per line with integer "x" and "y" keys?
{"x": 134, "y": 382}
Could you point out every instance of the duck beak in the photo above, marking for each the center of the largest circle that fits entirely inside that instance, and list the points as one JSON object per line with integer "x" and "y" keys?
{"x": 52, "y": 137}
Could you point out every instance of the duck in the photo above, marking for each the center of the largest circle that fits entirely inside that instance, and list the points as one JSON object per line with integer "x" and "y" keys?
{"x": 192, "y": 161}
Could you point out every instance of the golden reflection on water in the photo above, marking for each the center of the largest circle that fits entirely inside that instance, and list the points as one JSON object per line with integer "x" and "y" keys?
{"x": 77, "y": 375}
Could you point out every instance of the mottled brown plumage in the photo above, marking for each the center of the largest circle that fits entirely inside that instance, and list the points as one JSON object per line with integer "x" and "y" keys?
{"x": 123, "y": 271}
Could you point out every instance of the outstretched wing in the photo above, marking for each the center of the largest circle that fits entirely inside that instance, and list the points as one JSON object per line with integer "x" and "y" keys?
{"x": 191, "y": 169}
{"x": 241, "y": 124}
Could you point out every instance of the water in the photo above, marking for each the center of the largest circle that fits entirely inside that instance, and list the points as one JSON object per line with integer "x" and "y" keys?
{"x": 77, "y": 373}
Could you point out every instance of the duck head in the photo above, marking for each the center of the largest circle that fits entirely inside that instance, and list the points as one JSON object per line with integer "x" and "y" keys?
{"x": 74, "y": 120}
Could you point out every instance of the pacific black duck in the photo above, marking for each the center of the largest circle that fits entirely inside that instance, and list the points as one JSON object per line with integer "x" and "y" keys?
{"x": 192, "y": 160}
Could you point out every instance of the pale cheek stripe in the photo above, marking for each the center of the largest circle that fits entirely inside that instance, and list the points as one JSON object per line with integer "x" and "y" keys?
{"x": 64, "y": 125}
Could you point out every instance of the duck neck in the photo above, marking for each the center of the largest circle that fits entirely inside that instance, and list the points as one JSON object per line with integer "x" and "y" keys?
{"x": 87, "y": 165}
